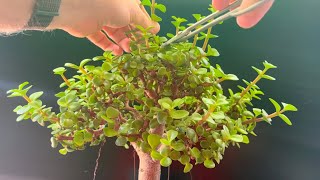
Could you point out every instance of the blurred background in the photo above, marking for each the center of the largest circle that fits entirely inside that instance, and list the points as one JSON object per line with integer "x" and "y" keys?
{"x": 288, "y": 37}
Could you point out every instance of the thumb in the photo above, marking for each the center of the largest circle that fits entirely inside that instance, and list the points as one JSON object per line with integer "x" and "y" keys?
{"x": 220, "y": 4}
{"x": 250, "y": 19}
{"x": 140, "y": 17}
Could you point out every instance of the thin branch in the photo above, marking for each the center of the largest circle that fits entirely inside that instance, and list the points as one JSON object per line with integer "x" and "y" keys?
{"x": 97, "y": 160}
{"x": 195, "y": 40}
{"x": 206, "y": 41}
{"x": 64, "y": 138}
{"x": 131, "y": 109}
{"x": 153, "y": 7}
{"x": 85, "y": 73}
{"x": 253, "y": 83}
{"x": 198, "y": 108}
{"x": 27, "y": 98}
{"x": 54, "y": 119}
{"x": 134, "y": 165}
{"x": 275, "y": 114}
{"x": 206, "y": 116}
{"x": 190, "y": 175}
{"x": 151, "y": 94}
{"x": 139, "y": 101}
{"x": 121, "y": 118}
{"x": 96, "y": 133}
{"x": 220, "y": 80}
{"x": 65, "y": 80}
{"x": 141, "y": 77}
{"x": 206, "y": 84}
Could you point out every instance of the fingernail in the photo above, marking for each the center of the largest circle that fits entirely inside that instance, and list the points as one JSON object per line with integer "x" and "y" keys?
{"x": 117, "y": 51}
{"x": 156, "y": 28}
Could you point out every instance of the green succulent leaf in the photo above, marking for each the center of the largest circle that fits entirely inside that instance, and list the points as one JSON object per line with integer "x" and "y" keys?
{"x": 192, "y": 135}
{"x": 268, "y": 65}
{"x": 106, "y": 66}
{"x": 162, "y": 117}
{"x": 166, "y": 103}
{"x": 197, "y": 16}
{"x": 187, "y": 168}
{"x": 178, "y": 146}
{"x": 22, "y": 85}
{"x": 179, "y": 114}
{"x": 257, "y": 111}
{"x": 177, "y": 102}
{"x": 109, "y": 132}
{"x": 165, "y": 151}
{"x": 275, "y": 104}
{"x": 195, "y": 152}
{"x": 161, "y": 7}
{"x": 266, "y": 117}
{"x": 35, "y": 95}
{"x": 184, "y": 159}
{"x": 165, "y": 162}
{"x": 59, "y": 71}
{"x": 268, "y": 77}
{"x": 285, "y": 119}
{"x": 208, "y": 163}
{"x": 54, "y": 142}
{"x": 212, "y": 51}
{"x": 63, "y": 151}
{"x": 218, "y": 115}
{"x": 257, "y": 70}
{"x": 78, "y": 138}
{"x": 70, "y": 65}
{"x": 201, "y": 71}
{"x": 171, "y": 135}
{"x": 146, "y": 2}
{"x": 231, "y": 77}
{"x": 23, "y": 109}
{"x": 165, "y": 142}
{"x": 154, "y": 140}
{"x": 170, "y": 35}
{"x": 121, "y": 141}
{"x": 245, "y": 139}
{"x": 236, "y": 138}
{"x": 175, "y": 155}
{"x": 84, "y": 62}
{"x": 156, "y": 155}
{"x": 156, "y": 18}
{"x": 196, "y": 116}
{"x": 88, "y": 137}
{"x": 112, "y": 112}
{"x": 289, "y": 107}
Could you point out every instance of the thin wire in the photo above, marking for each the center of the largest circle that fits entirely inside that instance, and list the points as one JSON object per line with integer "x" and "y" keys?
{"x": 97, "y": 161}
{"x": 168, "y": 178}
{"x": 134, "y": 165}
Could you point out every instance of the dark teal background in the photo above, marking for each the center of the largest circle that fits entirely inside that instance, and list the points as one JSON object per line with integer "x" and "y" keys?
{"x": 287, "y": 37}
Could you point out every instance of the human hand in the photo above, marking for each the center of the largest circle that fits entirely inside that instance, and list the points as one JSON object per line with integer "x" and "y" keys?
{"x": 99, "y": 20}
{"x": 249, "y": 19}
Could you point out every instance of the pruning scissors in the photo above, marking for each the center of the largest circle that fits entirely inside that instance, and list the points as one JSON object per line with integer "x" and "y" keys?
{"x": 233, "y": 10}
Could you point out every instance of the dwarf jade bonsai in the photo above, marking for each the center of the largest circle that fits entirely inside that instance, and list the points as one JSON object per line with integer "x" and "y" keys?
{"x": 168, "y": 103}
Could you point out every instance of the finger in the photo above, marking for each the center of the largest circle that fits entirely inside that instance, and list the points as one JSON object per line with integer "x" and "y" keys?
{"x": 220, "y": 4}
{"x": 118, "y": 36}
{"x": 143, "y": 8}
{"x": 102, "y": 41}
{"x": 136, "y": 35}
{"x": 250, "y": 19}
{"x": 138, "y": 17}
